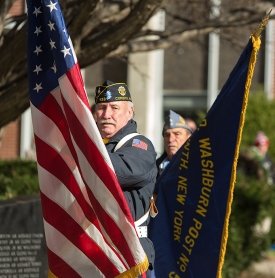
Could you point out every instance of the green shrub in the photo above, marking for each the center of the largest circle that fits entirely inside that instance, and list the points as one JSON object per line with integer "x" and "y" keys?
{"x": 253, "y": 198}
{"x": 253, "y": 202}
{"x": 260, "y": 115}
{"x": 18, "y": 178}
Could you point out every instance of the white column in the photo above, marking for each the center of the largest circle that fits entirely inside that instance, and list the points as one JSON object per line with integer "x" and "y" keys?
{"x": 213, "y": 59}
{"x": 145, "y": 80}
{"x": 269, "y": 71}
{"x": 213, "y": 69}
{"x": 26, "y": 134}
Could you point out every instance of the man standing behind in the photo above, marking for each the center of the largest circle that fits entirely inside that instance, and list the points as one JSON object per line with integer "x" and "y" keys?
{"x": 133, "y": 155}
{"x": 259, "y": 153}
{"x": 175, "y": 133}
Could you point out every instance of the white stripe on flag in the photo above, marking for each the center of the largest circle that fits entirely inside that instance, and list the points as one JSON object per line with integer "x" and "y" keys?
{"x": 82, "y": 112}
{"x": 48, "y": 132}
{"x": 58, "y": 193}
{"x": 76, "y": 259}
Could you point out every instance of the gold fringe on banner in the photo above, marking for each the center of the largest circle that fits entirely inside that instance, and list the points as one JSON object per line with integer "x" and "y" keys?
{"x": 256, "y": 42}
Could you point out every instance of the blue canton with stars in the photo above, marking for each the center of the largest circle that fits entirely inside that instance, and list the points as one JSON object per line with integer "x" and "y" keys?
{"x": 50, "y": 51}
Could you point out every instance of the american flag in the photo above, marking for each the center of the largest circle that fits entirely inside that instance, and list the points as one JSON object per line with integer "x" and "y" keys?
{"x": 139, "y": 144}
{"x": 88, "y": 226}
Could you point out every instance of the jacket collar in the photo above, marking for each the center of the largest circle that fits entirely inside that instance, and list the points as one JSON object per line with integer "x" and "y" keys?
{"x": 130, "y": 127}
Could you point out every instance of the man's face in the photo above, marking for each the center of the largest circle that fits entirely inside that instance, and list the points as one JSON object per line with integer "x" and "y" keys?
{"x": 174, "y": 138}
{"x": 112, "y": 116}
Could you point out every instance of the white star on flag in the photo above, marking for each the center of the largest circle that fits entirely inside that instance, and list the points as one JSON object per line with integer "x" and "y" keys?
{"x": 37, "y": 30}
{"x": 51, "y": 25}
{"x": 53, "y": 67}
{"x": 37, "y": 11}
{"x": 52, "y": 6}
{"x": 37, "y": 50}
{"x": 37, "y": 69}
{"x": 65, "y": 32}
{"x": 38, "y": 87}
{"x": 66, "y": 51}
{"x": 52, "y": 43}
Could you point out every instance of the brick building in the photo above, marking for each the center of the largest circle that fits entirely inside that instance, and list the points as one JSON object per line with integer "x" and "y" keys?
{"x": 10, "y": 134}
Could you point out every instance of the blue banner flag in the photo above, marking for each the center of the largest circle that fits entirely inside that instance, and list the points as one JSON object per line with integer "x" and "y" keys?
{"x": 194, "y": 193}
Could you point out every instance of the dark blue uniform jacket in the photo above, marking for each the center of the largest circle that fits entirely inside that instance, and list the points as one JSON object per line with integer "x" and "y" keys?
{"x": 135, "y": 167}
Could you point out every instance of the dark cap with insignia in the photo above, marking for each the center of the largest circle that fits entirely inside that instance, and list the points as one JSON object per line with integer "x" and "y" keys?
{"x": 174, "y": 120}
{"x": 110, "y": 91}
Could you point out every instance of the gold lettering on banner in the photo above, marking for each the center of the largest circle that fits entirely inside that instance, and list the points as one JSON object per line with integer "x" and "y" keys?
{"x": 193, "y": 234}
{"x": 183, "y": 262}
{"x": 182, "y": 190}
{"x": 203, "y": 123}
{"x": 181, "y": 196}
{"x": 188, "y": 241}
{"x": 187, "y": 236}
{"x": 173, "y": 274}
{"x": 184, "y": 156}
{"x": 178, "y": 219}
{"x": 207, "y": 176}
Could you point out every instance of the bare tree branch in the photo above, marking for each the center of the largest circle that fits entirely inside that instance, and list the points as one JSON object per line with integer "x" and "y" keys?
{"x": 113, "y": 28}
{"x": 111, "y": 37}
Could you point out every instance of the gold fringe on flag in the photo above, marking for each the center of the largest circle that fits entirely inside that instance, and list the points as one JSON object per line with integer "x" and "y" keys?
{"x": 134, "y": 272}
{"x": 51, "y": 275}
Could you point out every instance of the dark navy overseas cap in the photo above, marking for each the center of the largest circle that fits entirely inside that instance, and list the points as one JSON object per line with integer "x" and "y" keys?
{"x": 110, "y": 91}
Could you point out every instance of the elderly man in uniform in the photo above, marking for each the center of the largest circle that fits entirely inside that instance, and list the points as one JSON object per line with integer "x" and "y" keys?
{"x": 175, "y": 133}
{"x": 132, "y": 154}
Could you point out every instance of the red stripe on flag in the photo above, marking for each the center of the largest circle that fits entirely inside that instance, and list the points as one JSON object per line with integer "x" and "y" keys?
{"x": 113, "y": 231}
{"x": 53, "y": 111}
{"x": 107, "y": 175}
{"x": 70, "y": 229}
{"x": 63, "y": 173}
{"x": 50, "y": 160}
{"x": 61, "y": 268}
{"x": 74, "y": 75}
{"x": 94, "y": 157}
